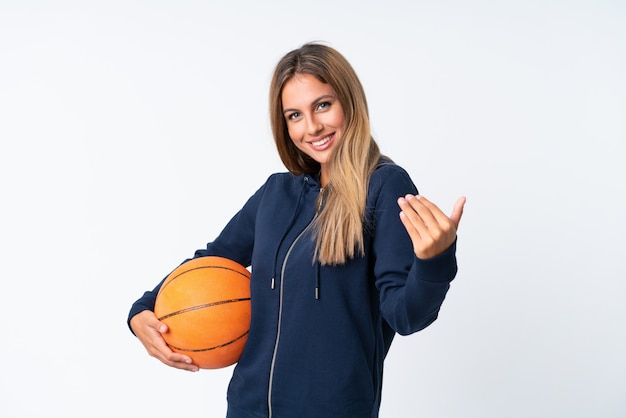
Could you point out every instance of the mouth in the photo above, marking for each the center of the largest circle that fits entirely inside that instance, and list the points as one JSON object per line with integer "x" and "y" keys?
{"x": 323, "y": 141}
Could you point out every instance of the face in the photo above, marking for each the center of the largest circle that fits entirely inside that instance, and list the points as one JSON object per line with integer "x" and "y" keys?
{"x": 314, "y": 116}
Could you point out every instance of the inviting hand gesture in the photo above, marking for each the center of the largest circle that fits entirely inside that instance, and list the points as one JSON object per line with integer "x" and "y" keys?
{"x": 431, "y": 231}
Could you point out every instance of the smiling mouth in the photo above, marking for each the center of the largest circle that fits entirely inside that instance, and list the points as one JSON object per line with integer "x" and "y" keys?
{"x": 322, "y": 141}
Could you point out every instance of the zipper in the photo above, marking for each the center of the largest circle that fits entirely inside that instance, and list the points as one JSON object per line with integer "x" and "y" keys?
{"x": 280, "y": 309}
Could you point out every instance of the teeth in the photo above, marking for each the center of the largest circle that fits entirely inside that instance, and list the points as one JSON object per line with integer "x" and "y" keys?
{"x": 321, "y": 141}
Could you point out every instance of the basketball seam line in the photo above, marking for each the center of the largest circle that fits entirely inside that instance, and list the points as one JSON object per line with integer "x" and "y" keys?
{"x": 206, "y": 305}
{"x": 198, "y": 350}
{"x": 168, "y": 282}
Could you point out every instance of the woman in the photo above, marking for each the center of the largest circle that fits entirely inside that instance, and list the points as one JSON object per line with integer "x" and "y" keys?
{"x": 344, "y": 255}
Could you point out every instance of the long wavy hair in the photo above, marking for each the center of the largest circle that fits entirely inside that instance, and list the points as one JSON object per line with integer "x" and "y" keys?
{"x": 338, "y": 229}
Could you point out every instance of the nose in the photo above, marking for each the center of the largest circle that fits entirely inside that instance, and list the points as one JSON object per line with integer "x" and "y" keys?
{"x": 314, "y": 125}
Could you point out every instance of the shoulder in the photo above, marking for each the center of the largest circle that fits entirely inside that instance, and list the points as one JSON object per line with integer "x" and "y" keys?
{"x": 283, "y": 179}
{"x": 390, "y": 175}
{"x": 282, "y": 184}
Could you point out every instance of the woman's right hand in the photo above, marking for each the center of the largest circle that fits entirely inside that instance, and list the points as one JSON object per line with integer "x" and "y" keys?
{"x": 149, "y": 330}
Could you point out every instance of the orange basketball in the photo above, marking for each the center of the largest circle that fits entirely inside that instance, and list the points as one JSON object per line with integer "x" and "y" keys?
{"x": 205, "y": 303}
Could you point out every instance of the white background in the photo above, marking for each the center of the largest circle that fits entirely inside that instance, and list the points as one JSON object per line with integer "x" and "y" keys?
{"x": 131, "y": 131}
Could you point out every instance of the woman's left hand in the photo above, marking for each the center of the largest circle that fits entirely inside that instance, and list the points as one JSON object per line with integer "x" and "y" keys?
{"x": 431, "y": 231}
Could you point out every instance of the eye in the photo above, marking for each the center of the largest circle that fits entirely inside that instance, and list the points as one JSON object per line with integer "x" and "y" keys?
{"x": 293, "y": 116}
{"x": 323, "y": 106}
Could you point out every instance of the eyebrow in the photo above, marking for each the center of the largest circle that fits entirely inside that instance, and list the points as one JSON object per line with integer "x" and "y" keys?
{"x": 313, "y": 103}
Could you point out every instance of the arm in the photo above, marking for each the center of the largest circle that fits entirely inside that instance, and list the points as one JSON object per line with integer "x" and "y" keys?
{"x": 234, "y": 242}
{"x": 412, "y": 289}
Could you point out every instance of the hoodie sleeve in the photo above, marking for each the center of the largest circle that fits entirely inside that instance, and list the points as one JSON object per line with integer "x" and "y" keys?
{"x": 411, "y": 289}
{"x": 234, "y": 242}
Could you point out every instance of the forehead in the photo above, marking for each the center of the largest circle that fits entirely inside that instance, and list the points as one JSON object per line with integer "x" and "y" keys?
{"x": 304, "y": 89}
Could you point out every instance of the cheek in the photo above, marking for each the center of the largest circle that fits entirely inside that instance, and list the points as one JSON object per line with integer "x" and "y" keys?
{"x": 294, "y": 134}
{"x": 339, "y": 120}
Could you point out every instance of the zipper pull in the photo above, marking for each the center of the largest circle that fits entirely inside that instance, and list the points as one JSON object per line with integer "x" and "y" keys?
{"x": 273, "y": 284}
{"x": 319, "y": 207}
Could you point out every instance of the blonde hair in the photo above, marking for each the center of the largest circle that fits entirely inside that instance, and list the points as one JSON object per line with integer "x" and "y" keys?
{"x": 338, "y": 229}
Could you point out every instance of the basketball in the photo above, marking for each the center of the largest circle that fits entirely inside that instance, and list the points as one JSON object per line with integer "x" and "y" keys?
{"x": 205, "y": 303}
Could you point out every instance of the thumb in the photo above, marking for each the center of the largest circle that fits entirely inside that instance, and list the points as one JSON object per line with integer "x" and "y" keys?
{"x": 457, "y": 211}
{"x": 154, "y": 322}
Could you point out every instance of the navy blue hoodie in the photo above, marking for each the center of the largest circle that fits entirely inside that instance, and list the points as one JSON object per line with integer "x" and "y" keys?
{"x": 319, "y": 334}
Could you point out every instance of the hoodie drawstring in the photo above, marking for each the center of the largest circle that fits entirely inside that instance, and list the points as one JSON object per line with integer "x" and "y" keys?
{"x": 317, "y": 281}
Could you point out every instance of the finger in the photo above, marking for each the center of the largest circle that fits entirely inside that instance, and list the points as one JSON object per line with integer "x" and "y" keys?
{"x": 174, "y": 359}
{"x": 457, "y": 211}
{"x": 410, "y": 218}
{"x": 153, "y": 322}
{"x": 442, "y": 218}
{"x": 162, "y": 328}
{"x": 181, "y": 361}
{"x": 410, "y": 229}
{"x": 427, "y": 211}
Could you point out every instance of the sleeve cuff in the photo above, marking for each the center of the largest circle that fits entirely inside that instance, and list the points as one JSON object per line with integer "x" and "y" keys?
{"x": 441, "y": 268}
